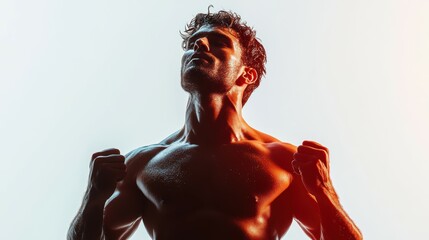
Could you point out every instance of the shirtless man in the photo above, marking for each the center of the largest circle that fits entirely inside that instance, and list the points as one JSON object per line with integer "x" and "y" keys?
{"x": 217, "y": 178}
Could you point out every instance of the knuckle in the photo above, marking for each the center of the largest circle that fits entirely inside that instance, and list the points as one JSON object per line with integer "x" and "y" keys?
{"x": 105, "y": 152}
{"x": 95, "y": 155}
{"x": 327, "y": 150}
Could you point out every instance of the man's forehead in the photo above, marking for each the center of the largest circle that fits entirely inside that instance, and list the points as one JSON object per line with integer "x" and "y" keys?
{"x": 207, "y": 29}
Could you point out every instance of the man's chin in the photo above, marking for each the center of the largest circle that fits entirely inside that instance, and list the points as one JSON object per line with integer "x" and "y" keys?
{"x": 195, "y": 78}
{"x": 195, "y": 73}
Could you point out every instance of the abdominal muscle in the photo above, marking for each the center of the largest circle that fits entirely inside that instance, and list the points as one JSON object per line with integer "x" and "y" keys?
{"x": 211, "y": 225}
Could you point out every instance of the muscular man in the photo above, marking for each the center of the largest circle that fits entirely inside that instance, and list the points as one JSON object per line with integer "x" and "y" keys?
{"x": 217, "y": 177}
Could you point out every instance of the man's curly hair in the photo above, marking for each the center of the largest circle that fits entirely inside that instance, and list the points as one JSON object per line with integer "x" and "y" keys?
{"x": 253, "y": 52}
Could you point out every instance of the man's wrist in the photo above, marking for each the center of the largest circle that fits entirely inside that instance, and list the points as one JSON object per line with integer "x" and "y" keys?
{"x": 94, "y": 198}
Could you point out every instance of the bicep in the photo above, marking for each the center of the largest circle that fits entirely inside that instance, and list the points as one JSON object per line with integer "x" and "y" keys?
{"x": 123, "y": 210}
{"x": 303, "y": 207}
{"x": 122, "y": 214}
{"x": 305, "y": 210}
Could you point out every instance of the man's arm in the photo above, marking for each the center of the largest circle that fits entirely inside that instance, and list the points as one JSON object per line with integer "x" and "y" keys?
{"x": 335, "y": 223}
{"x": 89, "y": 220}
{"x": 106, "y": 169}
{"x": 312, "y": 162}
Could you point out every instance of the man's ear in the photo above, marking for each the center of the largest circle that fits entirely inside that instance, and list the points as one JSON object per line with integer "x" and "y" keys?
{"x": 249, "y": 76}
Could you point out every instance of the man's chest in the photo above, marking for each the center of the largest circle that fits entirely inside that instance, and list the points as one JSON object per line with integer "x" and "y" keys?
{"x": 235, "y": 179}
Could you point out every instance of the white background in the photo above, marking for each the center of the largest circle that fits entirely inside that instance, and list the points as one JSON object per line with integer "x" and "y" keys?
{"x": 81, "y": 76}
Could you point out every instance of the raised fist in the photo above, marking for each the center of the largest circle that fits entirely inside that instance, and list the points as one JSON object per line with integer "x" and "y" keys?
{"x": 311, "y": 161}
{"x": 106, "y": 169}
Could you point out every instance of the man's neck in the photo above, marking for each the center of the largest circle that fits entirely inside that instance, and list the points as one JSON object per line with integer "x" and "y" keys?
{"x": 214, "y": 119}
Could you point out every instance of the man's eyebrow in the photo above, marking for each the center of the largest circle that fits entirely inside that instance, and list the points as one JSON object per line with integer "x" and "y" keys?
{"x": 216, "y": 35}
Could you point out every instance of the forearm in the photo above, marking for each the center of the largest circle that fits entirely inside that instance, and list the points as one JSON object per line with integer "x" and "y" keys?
{"x": 88, "y": 223}
{"x": 335, "y": 223}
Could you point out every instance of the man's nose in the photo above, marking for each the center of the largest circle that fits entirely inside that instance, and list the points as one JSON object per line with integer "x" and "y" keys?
{"x": 201, "y": 44}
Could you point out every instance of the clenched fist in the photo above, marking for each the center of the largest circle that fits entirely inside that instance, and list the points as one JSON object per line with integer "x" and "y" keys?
{"x": 106, "y": 169}
{"x": 311, "y": 161}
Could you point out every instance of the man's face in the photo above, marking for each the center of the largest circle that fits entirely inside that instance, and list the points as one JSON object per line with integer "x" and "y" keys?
{"x": 212, "y": 60}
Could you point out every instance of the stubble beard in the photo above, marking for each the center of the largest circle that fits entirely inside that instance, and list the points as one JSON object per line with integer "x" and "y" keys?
{"x": 205, "y": 80}
{"x": 208, "y": 78}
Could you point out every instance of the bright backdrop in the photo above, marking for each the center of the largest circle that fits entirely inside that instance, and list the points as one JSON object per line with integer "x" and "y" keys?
{"x": 80, "y": 76}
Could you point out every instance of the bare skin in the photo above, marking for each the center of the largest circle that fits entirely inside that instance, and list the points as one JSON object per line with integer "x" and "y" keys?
{"x": 217, "y": 177}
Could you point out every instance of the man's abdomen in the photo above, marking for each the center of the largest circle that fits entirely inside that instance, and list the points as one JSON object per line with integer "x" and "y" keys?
{"x": 209, "y": 225}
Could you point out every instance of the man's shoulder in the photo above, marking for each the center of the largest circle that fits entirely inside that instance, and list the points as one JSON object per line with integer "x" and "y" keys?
{"x": 140, "y": 156}
{"x": 280, "y": 152}
{"x": 274, "y": 144}
{"x": 143, "y": 154}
